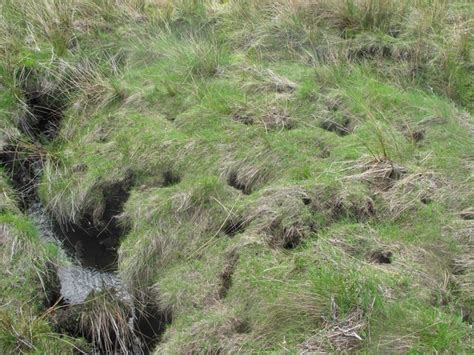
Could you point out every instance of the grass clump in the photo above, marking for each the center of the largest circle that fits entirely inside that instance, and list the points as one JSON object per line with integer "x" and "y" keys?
{"x": 103, "y": 320}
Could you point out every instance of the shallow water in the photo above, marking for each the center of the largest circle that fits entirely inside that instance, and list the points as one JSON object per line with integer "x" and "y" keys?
{"x": 77, "y": 280}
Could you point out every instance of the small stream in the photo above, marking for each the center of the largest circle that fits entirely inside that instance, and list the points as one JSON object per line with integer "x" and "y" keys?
{"x": 88, "y": 248}
{"x": 77, "y": 279}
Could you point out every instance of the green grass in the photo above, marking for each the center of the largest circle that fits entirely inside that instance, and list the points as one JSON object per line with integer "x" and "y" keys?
{"x": 238, "y": 101}
{"x": 25, "y": 283}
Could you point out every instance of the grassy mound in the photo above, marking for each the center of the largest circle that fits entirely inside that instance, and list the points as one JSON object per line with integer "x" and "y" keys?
{"x": 299, "y": 172}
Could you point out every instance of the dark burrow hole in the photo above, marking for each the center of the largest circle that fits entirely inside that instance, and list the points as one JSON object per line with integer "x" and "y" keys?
{"x": 458, "y": 267}
{"x": 243, "y": 117}
{"x": 225, "y": 277}
{"x": 342, "y": 129}
{"x": 150, "y": 321}
{"x": 171, "y": 178}
{"x": 291, "y": 243}
{"x": 467, "y": 316}
{"x": 233, "y": 180}
{"x": 467, "y": 214}
{"x": 426, "y": 200}
{"x": 241, "y": 326}
{"x": 413, "y": 135}
{"x": 394, "y": 32}
{"x": 233, "y": 227}
{"x": 417, "y": 136}
{"x": 277, "y": 119}
{"x": 291, "y": 236}
{"x": 396, "y": 173}
{"x": 323, "y": 148}
{"x": 381, "y": 257}
{"x": 45, "y": 112}
{"x": 95, "y": 243}
{"x": 306, "y": 201}
{"x": 370, "y": 52}
{"x": 360, "y": 212}
{"x": 23, "y": 165}
{"x": 22, "y": 158}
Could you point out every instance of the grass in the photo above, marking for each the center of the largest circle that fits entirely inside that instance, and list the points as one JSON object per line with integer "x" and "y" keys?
{"x": 27, "y": 286}
{"x": 299, "y": 167}
{"x": 102, "y": 319}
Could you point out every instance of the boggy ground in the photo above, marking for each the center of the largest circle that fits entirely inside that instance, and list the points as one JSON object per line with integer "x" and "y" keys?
{"x": 298, "y": 174}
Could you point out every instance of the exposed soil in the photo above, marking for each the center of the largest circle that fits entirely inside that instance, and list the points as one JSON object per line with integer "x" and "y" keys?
{"x": 233, "y": 227}
{"x": 225, "y": 278}
{"x": 51, "y": 286}
{"x": 340, "y": 128}
{"x": 381, "y": 257}
{"x": 24, "y": 167}
{"x": 95, "y": 242}
{"x": 150, "y": 319}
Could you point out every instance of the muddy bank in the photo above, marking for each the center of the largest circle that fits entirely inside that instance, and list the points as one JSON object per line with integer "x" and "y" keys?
{"x": 94, "y": 240}
{"x": 76, "y": 280}
{"x": 24, "y": 165}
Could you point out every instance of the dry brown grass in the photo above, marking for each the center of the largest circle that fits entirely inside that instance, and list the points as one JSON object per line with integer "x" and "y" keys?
{"x": 258, "y": 80}
{"x": 105, "y": 320}
{"x": 250, "y": 173}
{"x": 380, "y": 172}
{"x": 411, "y": 190}
{"x": 281, "y": 217}
{"x": 341, "y": 336}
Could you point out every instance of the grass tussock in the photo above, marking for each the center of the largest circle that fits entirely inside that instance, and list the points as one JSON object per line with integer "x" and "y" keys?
{"x": 106, "y": 322}
{"x": 282, "y": 217}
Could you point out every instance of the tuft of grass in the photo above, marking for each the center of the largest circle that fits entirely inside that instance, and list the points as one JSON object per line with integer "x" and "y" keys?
{"x": 104, "y": 319}
{"x": 25, "y": 332}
